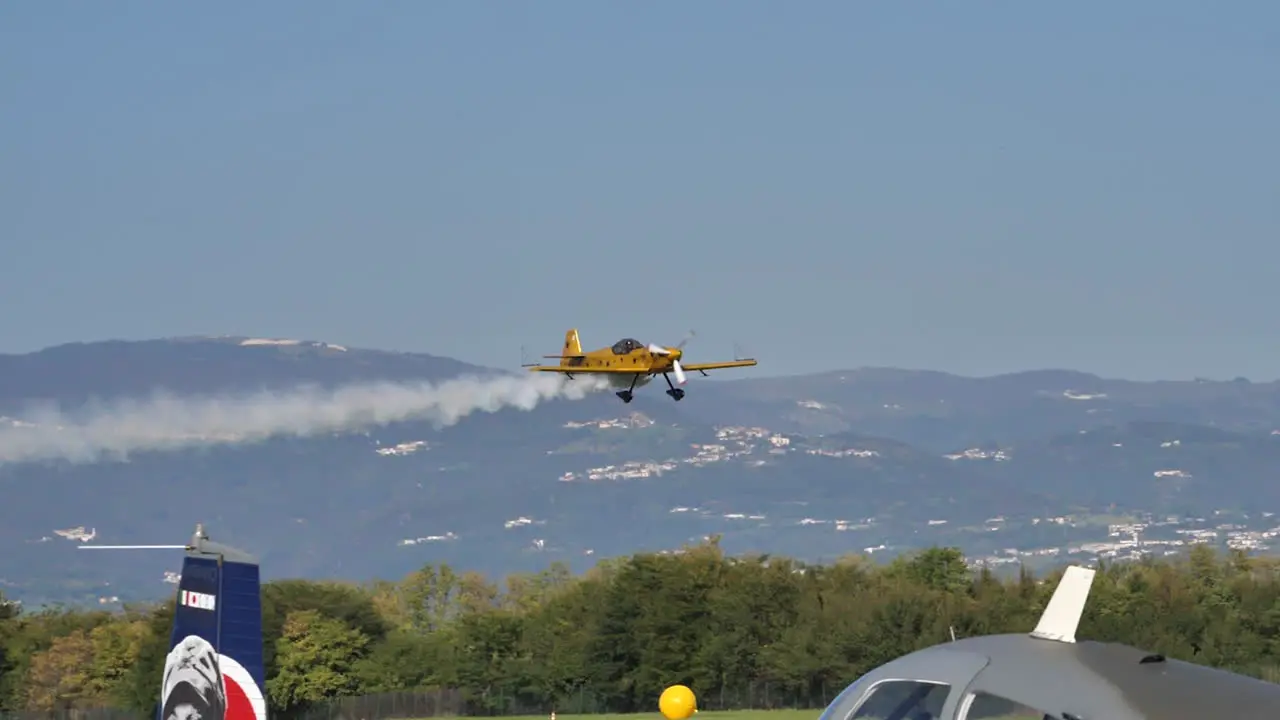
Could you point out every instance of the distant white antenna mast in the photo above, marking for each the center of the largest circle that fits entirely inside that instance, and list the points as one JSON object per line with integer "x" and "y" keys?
{"x": 195, "y": 539}
{"x": 133, "y": 547}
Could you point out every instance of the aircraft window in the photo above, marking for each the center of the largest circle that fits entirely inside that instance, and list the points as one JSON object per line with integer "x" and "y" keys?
{"x": 985, "y": 706}
{"x": 841, "y": 707}
{"x": 625, "y": 345}
{"x": 904, "y": 700}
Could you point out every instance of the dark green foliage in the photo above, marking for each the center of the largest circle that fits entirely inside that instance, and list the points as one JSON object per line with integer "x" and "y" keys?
{"x": 612, "y": 639}
{"x": 347, "y": 603}
{"x": 139, "y": 688}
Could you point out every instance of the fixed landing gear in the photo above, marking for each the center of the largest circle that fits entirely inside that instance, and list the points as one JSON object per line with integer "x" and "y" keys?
{"x": 626, "y": 395}
{"x": 675, "y": 392}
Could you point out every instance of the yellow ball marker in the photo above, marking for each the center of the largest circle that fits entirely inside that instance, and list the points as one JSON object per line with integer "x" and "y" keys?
{"x": 678, "y": 703}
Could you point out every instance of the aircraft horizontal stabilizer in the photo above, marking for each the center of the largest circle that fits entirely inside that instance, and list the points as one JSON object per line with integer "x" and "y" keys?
{"x": 1062, "y": 616}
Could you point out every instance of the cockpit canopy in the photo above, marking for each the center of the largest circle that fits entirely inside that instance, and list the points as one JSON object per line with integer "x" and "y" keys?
{"x": 626, "y": 345}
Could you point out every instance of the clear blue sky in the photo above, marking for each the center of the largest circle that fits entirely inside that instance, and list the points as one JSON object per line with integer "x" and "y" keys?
{"x": 973, "y": 187}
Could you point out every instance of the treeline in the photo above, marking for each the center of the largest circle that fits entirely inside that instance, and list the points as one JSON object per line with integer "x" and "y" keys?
{"x": 612, "y": 639}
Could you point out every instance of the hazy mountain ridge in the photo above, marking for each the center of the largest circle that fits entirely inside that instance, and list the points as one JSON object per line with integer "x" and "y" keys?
{"x": 74, "y": 373}
{"x": 1037, "y": 461}
{"x": 940, "y": 410}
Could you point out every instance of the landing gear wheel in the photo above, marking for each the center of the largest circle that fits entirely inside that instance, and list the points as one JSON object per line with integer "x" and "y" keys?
{"x": 675, "y": 392}
{"x": 626, "y": 394}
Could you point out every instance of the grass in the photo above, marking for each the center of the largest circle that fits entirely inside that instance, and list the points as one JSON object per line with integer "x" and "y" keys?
{"x": 702, "y": 715}
{"x": 707, "y": 715}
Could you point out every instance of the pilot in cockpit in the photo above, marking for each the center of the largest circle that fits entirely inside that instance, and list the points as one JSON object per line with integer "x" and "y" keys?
{"x": 625, "y": 345}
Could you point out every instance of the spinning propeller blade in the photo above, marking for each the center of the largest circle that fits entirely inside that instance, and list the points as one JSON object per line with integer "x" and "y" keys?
{"x": 675, "y": 365}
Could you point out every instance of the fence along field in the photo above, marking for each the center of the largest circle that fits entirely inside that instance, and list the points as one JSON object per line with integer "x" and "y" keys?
{"x": 677, "y": 702}
{"x": 755, "y": 702}
{"x": 389, "y": 709}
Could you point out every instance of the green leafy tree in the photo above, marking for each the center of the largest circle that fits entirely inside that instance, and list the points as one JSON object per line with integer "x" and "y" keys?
{"x": 60, "y": 677}
{"x": 140, "y": 688}
{"x": 316, "y": 657}
{"x": 406, "y": 661}
{"x": 742, "y": 631}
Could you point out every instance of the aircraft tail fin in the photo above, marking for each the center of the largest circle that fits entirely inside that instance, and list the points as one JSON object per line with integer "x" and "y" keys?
{"x": 572, "y": 347}
{"x": 215, "y": 664}
{"x": 1061, "y": 617}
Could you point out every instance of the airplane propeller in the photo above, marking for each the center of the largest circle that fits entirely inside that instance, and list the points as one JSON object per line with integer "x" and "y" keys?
{"x": 675, "y": 364}
{"x": 679, "y": 371}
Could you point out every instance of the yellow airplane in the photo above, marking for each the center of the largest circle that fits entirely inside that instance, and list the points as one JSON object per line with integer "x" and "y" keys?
{"x": 629, "y": 364}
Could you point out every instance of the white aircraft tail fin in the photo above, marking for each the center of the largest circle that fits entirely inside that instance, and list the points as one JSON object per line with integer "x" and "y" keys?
{"x": 1062, "y": 616}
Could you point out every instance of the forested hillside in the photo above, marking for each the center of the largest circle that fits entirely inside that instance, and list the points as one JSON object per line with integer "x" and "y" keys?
{"x": 759, "y": 631}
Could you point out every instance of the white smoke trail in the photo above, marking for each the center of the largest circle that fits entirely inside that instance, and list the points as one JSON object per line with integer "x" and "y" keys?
{"x": 168, "y": 422}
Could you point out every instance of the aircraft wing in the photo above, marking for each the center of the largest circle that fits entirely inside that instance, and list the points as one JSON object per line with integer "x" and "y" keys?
{"x": 572, "y": 370}
{"x": 639, "y": 369}
{"x": 701, "y": 367}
